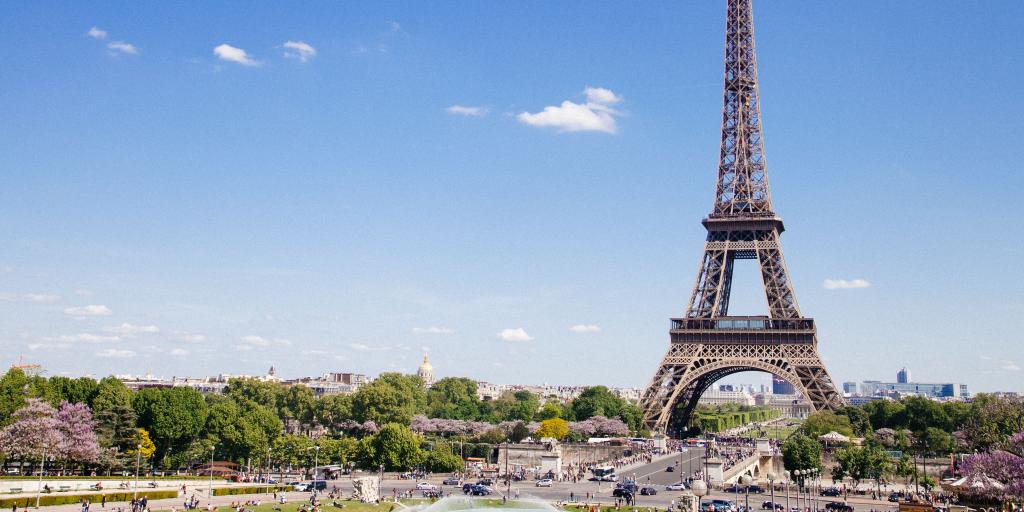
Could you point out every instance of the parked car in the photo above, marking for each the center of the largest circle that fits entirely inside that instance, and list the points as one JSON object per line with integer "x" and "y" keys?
{"x": 894, "y": 497}
{"x": 755, "y": 489}
{"x": 670, "y": 469}
{"x": 610, "y": 478}
{"x": 831, "y": 491}
{"x": 721, "y": 505}
{"x": 678, "y": 486}
{"x": 768, "y": 505}
{"x": 481, "y": 490}
{"x": 425, "y": 486}
{"x": 300, "y": 487}
{"x": 835, "y": 506}
{"x": 467, "y": 488}
{"x": 485, "y": 481}
{"x": 451, "y": 481}
{"x": 648, "y": 491}
{"x": 544, "y": 482}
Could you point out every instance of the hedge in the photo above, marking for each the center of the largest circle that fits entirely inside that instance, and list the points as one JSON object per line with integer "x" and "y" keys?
{"x": 228, "y": 491}
{"x": 64, "y": 499}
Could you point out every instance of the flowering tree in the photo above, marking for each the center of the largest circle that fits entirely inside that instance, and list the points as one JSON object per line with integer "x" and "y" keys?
{"x": 76, "y": 435}
{"x": 599, "y": 426}
{"x": 1005, "y": 465}
{"x": 32, "y": 432}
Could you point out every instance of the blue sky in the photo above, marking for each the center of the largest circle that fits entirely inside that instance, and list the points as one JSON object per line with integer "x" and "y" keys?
{"x": 180, "y": 197}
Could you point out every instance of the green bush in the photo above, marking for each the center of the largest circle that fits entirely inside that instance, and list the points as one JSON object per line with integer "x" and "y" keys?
{"x": 228, "y": 491}
{"x": 64, "y": 499}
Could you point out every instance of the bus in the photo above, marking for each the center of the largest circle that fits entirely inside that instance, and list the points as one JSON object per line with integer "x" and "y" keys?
{"x": 606, "y": 473}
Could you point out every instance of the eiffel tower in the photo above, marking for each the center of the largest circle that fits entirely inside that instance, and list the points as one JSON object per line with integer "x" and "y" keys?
{"x": 708, "y": 344}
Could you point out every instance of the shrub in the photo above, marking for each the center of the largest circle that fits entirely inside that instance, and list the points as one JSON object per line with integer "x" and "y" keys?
{"x": 64, "y": 499}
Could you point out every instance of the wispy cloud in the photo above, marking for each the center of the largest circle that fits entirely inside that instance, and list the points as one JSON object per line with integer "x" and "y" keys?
{"x": 130, "y": 330}
{"x": 256, "y": 341}
{"x": 97, "y": 33}
{"x": 517, "y": 334}
{"x": 29, "y": 297}
{"x": 121, "y": 47}
{"x": 236, "y": 55}
{"x": 88, "y": 338}
{"x": 178, "y": 352}
{"x": 845, "y": 284}
{"x": 363, "y": 347}
{"x": 462, "y": 110}
{"x": 1010, "y": 366}
{"x": 432, "y": 330}
{"x": 192, "y": 338}
{"x": 116, "y": 354}
{"x": 299, "y": 50}
{"x": 90, "y": 310}
{"x": 585, "y": 328}
{"x": 595, "y": 115}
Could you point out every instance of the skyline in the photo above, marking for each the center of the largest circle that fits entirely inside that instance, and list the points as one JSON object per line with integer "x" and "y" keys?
{"x": 351, "y": 188}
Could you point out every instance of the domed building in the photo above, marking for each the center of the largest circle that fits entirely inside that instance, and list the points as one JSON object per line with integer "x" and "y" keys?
{"x": 426, "y": 371}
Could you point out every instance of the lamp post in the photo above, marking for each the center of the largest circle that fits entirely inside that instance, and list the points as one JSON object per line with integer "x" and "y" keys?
{"x": 138, "y": 460}
{"x": 699, "y": 489}
{"x": 266, "y": 474}
{"x": 799, "y": 473}
{"x": 787, "y": 476}
{"x": 771, "y": 485}
{"x": 213, "y": 448}
{"x": 42, "y": 467}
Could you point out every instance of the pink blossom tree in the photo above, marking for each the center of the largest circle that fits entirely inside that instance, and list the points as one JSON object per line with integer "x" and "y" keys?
{"x": 76, "y": 433}
{"x": 1005, "y": 465}
{"x": 32, "y": 434}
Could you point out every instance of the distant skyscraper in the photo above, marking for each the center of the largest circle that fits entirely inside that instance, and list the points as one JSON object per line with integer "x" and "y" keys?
{"x": 850, "y": 388}
{"x": 782, "y": 387}
{"x": 903, "y": 376}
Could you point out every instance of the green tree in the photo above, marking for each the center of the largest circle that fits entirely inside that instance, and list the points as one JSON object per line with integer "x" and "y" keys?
{"x": 332, "y": 410}
{"x": 923, "y": 413}
{"x": 77, "y": 391}
{"x": 299, "y": 403}
{"x": 454, "y": 398}
{"x": 936, "y": 441}
{"x": 517, "y": 406}
{"x": 442, "y": 459}
{"x": 860, "y": 421}
{"x": 596, "y": 401}
{"x": 174, "y": 416}
{"x": 382, "y": 403}
{"x": 886, "y": 414}
{"x": 394, "y": 446}
{"x": 823, "y": 422}
{"x": 801, "y": 452}
{"x": 492, "y": 436}
{"x": 519, "y": 432}
{"x": 550, "y": 409}
{"x": 13, "y": 387}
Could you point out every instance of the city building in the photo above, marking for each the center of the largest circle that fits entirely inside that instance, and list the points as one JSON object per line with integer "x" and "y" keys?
{"x": 426, "y": 371}
{"x": 781, "y": 386}
{"x": 724, "y": 396}
{"x": 903, "y": 376}
{"x": 896, "y": 389}
{"x": 850, "y": 387}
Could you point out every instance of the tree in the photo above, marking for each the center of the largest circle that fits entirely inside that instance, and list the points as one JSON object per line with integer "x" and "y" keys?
{"x": 1004, "y": 463}
{"x": 993, "y": 420}
{"x": 12, "y": 393}
{"x": 143, "y": 445}
{"x": 442, "y": 459}
{"x": 823, "y": 422}
{"x": 936, "y": 441}
{"x": 32, "y": 431}
{"x": 550, "y": 409}
{"x": 556, "y": 428}
{"x": 517, "y": 406}
{"x": 596, "y": 401}
{"x": 332, "y": 410}
{"x": 394, "y": 446}
{"x": 174, "y": 416}
{"x": 382, "y": 403}
{"x": 77, "y": 391}
{"x": 519, "y": 432}
{"x": 76, "y": 435}
{"x": 886, "y": 414}
{"x": 860, "y": 421}
{"x": 923, "y": 413}
{"x": 299, "y": 403}
{"x": 801, "y": 452}
{"x": 492, "y": 436}
{"x": 454, "y": 398}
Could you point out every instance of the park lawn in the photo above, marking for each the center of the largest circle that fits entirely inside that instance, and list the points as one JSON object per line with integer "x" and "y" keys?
{"x": 355, "y": 506}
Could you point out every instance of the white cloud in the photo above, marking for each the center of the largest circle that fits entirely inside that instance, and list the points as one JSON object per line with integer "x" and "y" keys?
{"x": 517, "y": 334}
{"x": 463, "y": 110}
{"x": 121, "y": 47}
{"x": 90, "y": 310}
{"x": 178, "y": 352}
{"x": 432, "y": 330}
{"x": 255, "y": 341}
{"x": 29, "y": 297}
{"x": 299, "y": 50}
{"x": 236, "y": 55}
{"x": 129, "y": 329}
{"x": 116, "y": 354}
{"x": 362, "y": 347}
{"x": 97, "y": 33}
{"x": 395, "y": 26}
{"x": 1010, "y": 366}
{"x": 596, "y": 115}
{"x": 845, "y": 284}
{"x": 585, "y": 328}
{"x": 192, "y": 338}
{"x": 89, "y": 338}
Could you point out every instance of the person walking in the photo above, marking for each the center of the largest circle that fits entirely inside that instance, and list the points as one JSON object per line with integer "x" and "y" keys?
{"x": 103, "y": 501}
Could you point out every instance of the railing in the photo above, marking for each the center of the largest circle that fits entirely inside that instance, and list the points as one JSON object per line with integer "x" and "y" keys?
{"x": 742, "y": 323}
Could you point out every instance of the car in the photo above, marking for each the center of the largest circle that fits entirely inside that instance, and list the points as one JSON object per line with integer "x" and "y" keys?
{"x": 544, "y": 482}
{"x": 610, "y": 478}
{"x": 831, "y": 491}
{"x": 485, "y": 481}
{"x": 732, "y": 489}
{"x": 425, "y": 486}
{"x": 722, "y": 505}
{"x": 670, "y": 469}
{"x": 300, "y": 487}
{"x": 894, "y": 497}
{"x": 835, "y": 506}
{"x": 648, "y": 491}
{"x": 481, "y": 490}
{"x": 678, "y": 486}
{"x": 622, "y": 492}
{"x": 467, "y": 488}
{"x": 768, "y": 505}
{"x": 451, "y": 481}
{"x": 755, "y": 489}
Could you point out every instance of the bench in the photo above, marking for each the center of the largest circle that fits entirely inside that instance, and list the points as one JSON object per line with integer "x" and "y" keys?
{"x": 64, "y": 488}
{"x": 15, "y": 490}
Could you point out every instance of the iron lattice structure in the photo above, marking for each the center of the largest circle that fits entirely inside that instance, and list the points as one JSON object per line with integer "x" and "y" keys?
{"x": 708, "y": 344}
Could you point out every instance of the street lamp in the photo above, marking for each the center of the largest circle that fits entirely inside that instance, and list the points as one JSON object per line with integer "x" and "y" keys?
{"x": 266, "y": 474}
{"x": 316, "y": 461}
{"x": 138, "y": 460}
{"x": 42, "y": 468}
{"x": 746, "y": 480}
{"x": 771, "y": 485}
{"x": 213, "y": 448}
{"x": 799, "y": 474}
{"x": 699, "y": 489}
{"x": 786, "y": 475}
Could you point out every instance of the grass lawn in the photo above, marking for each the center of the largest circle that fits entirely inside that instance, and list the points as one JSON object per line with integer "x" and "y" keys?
{"x": 355, "y": 506}
{"x": 780, "y": 430}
